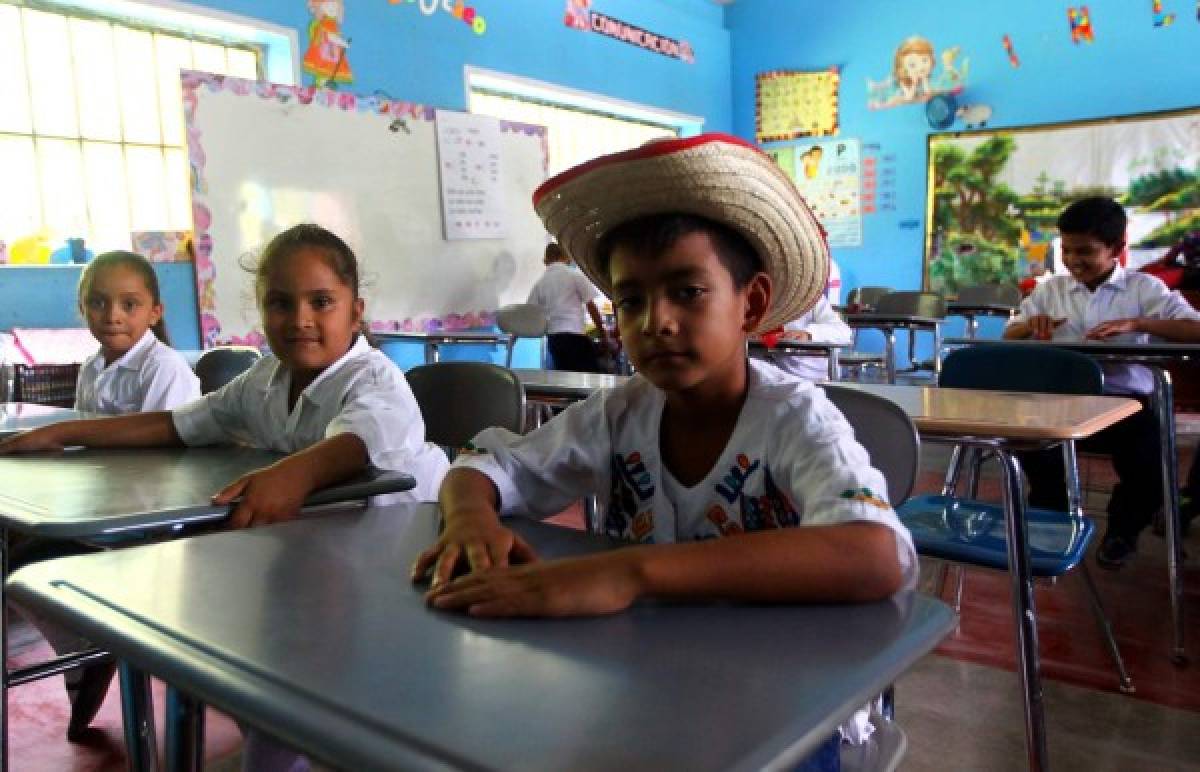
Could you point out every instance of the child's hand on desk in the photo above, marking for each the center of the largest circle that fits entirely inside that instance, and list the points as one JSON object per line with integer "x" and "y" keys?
{"x": 1042, "y": 327}
{"x": 803, "y": 336}
{"x": 1112, "y": 327}
{"x": 588, "y": 586}
{"x": 474, "y": 540}
{"x": 268, "y": 495}
{"x": 31, "y": 442}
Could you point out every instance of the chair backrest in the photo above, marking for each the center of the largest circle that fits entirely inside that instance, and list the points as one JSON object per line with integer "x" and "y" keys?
{"x": 885, "y": 430}
{"x": 912, "y": 302}
{"x": 866, "y": 296}
{"x": 218, "y": 366}
{"x": 1009, "y": 367}
{"x": 522, "y": 320}
{"x": 460, "y": 399}
{"x": 1002, "y": 294}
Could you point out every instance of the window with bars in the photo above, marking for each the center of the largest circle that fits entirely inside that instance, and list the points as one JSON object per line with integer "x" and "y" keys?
{"x": 91, "y": 128}
{"x": 575, "y": 133}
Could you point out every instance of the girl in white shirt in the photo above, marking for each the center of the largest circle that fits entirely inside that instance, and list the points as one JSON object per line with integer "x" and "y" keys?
{"x": 135, "y": 370}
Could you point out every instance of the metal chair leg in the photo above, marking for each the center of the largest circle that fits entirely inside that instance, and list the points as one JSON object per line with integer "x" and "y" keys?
{"x": 1123, "y": 680}
{"x": 184, "y": 732}
{"x": 137, "y": 712}
{"x": 959, "y": 573}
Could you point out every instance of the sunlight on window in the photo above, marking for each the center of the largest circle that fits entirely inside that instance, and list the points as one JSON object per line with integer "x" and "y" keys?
{"x": 95, "y": 80}
{"x": 179, "y": 203}
{"x": 14, "y": 94}
{"x": 242, "y": 64}
{"x": 209, "y": 58}
{"x": 107, "y": 196}
{"x": 60, "y": 169}
{"x": 51, "y": 84}
{"x": 147, "y": 188}
{"x": 20, "y": 198}
{"x": 171, "y": 54}
{"x": 139, "y": 97}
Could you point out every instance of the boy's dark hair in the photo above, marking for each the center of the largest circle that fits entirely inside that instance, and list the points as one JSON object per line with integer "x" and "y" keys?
{"x": 1096, "y": 216}
{"x": 338, "y": 256}
{"x": 656, "y": 233}
{"x": 135, "y": 262}
{"x": 554, "y": 253}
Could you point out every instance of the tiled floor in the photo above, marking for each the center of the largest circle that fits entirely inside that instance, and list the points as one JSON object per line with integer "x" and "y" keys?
{"x": 961, "y": 708}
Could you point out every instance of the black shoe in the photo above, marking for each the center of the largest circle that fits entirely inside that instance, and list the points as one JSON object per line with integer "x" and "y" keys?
{"x": 87, "y": 696}
{"x": 1115, "y": 551}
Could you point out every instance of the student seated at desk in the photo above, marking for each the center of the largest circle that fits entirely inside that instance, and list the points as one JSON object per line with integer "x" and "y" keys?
{"x": 563, "y": 293}
{"x": 700, "y": 243}
{"x": 820, "y": 323}
{"x": 1100, "y": 300}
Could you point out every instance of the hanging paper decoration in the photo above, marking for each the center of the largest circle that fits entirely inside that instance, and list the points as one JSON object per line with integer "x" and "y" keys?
{"x": 1008, "y": 49}
{"x": 579, "y": 15}
{"x": 458, "y": 9}
{"x": 1161, "y": 19}
{"x": 791, "y": 104}
{"x": 916, "y": 77}
{"x": 325, "y": 60}
{"x": 1080, "y": 20}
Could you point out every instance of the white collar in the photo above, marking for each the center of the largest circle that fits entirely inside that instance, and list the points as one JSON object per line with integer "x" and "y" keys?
{"x": 1118, "y": 280}
{"x": 281, "y": 376}
{"x": 134, "y": 358}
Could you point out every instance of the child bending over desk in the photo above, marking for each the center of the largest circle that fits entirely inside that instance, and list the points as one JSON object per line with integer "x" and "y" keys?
{"x": 700, "y": 243}
{"x": 1099, "y": 300}
{"x": 820, "y": 323}
{"x": 327, "y": 397}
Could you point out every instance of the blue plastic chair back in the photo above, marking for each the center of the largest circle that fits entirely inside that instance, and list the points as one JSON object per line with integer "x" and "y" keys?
{"x": 972, "y": 532}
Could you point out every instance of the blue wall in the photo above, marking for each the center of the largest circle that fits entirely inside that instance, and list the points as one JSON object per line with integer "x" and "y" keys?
{"x": 397, "y": 49}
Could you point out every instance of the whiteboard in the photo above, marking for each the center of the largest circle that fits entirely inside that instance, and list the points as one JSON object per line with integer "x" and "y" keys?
{"x": 265, "y": 157}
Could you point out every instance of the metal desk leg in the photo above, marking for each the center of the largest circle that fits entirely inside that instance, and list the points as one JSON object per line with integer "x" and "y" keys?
{"x": 1023, "y": 609}
{"x": 834, "y": 369}
{"x": 1164, "y": 403}
{"x": 3, "y": 652}
{"x": 137, "y": 713}
{"x": 972, "y": 326}
{"x": 184, "y": 732}
{"x": 431, "y": 353}
{"x": 889, "y": 354}
{"x": 937, "y": 349}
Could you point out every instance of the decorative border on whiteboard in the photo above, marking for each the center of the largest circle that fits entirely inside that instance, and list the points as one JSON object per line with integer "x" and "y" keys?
{"x": 192, "y": 82}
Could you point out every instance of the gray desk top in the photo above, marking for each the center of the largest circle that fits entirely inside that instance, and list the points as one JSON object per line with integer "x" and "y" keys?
{"x": 1122, "y": 350}
{"x": 814, "y": 347}
{"x": 957, "y": 307}
{"x": 22, "y": 416}
{"x": 80, "y": 494}
{"x": 312, "y": 631}
{"x": 566, "y": 383}
{"x": 874, "y": 319}
{"x": 462, "y": 336}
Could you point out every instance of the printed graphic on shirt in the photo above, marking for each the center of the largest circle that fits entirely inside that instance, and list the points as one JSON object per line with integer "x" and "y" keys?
{"x": 632, "y": 488}
{"x": 473, "y": 450}
{"x": 773, "y": 509}
{"x": 866, "y": 496}
{"x": 720, "y": 518}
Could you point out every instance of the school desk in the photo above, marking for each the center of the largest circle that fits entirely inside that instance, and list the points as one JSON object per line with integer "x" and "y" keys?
{"x": 805, "y": 348}
{"x": 321, "y": 640}
{"x": 970, "y": 312}
{"x": 94, "y": 495}
{"x": 432, "y": 340}
{"x": 22, "y": 416}
{"x": 562, "y": 387}
{"x": 888, "y": 324}
{"x": 1155, "y": 357}
{"x": 1004, "y": 422}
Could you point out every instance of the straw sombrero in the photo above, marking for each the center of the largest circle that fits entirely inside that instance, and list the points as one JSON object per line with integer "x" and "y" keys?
{"x": 715, "y": 176}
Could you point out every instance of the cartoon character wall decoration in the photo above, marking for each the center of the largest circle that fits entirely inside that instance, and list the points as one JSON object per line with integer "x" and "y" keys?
{"x": 1008, "y": 49}
{"x": 1161, "y": 19}
{"x": 326, "y": 58}
{"x": 916, "y": 75}
{"x": 1080, "y": 20}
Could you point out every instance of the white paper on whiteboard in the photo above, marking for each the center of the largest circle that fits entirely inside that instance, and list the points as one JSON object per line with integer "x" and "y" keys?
{"x": 469, "y": 169}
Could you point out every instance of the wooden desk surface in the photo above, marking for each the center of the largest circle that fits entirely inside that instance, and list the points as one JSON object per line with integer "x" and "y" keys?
{"x": 942, "y": 412}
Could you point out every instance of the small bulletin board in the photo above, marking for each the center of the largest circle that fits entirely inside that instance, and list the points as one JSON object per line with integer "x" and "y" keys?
{"x": 265, "y": 157}
{"x": 790, "y": 104}
{"x": 828, "y": 173}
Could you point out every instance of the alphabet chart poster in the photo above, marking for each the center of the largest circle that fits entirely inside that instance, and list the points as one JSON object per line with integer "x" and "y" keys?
{"x": 791, "y": 104}
{"x": 828, "y": 174}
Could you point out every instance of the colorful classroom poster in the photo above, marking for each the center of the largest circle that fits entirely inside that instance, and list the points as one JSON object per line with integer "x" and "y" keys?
{"x": 469, "y": 164}
{"x": 791, "y": 104}
{"x": 829, "y": 176}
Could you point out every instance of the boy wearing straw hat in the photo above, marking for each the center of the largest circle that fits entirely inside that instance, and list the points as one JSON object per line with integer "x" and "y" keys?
{"x": 700, "y": 243}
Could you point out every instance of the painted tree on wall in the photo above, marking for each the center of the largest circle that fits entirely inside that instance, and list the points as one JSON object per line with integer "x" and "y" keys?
{"x": 977, "y": 226}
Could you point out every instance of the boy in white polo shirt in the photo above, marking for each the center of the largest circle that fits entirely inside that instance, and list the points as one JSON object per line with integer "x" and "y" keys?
{"x": 563, "y": 293}
{"x": 1099, "y": 300}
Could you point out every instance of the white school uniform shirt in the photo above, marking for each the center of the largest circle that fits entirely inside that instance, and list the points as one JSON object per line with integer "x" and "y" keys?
{"x": 1124, "y": 295}
{"x": 363, "y": 393}
{"x": 150, "y": 376}
{"x": 562, "y": 292}
{"x": 824, "y": 325}
{"x": 792, "y": 460}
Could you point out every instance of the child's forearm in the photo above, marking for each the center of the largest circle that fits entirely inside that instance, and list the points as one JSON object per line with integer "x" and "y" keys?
{"x": 136, "y": 430}
{"x": 330, "y": 461}
{"x": 1017, "y": 331}
{"x": 1178, "y": 330}
{"x": 466, "y": 490}
{"x": 854, "y": 562}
